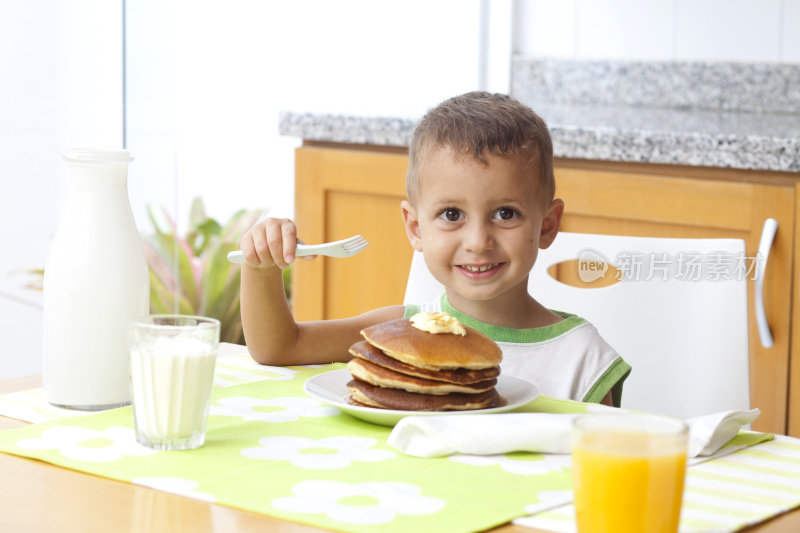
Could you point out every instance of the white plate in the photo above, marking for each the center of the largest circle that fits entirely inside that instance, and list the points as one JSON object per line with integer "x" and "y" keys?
{"x": 331, "y": 388}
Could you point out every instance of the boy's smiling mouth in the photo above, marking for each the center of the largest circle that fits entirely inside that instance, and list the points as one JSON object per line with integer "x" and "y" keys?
{"x": 477, "y": 270}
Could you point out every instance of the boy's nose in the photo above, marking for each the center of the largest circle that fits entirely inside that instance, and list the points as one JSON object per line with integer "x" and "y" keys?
{"x": 478, "y": 238}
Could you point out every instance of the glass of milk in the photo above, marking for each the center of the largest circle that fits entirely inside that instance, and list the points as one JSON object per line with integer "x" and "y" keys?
{"x": 172, "y": 373}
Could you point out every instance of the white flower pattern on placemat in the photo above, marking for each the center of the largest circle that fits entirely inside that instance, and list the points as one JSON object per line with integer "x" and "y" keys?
{"x": 284, "y": 409}
{"x": 232, "y": 371}
{"x": 325, "y": 454}
{"x": 175, "y": 485}
{"x": 360, "y": 503}
{"x": 532, "y": 465}
{"x": 83, "y": 444}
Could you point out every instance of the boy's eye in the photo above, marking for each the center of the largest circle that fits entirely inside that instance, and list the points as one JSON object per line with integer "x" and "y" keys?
{"x": 451, "y": 214}
{"x": 506, "y": 213}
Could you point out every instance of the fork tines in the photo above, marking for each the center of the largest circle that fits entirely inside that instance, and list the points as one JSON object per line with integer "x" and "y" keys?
{"x": 355, "y": 244}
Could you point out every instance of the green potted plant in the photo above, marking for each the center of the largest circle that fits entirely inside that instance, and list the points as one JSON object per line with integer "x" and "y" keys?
{"x": 191, "y": 274}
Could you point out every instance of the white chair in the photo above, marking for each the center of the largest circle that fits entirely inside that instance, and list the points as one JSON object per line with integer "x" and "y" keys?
{"x": 685, "y": 338}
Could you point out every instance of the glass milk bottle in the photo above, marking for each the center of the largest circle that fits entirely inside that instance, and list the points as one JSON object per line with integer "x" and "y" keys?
{"x": 96, "y": 279}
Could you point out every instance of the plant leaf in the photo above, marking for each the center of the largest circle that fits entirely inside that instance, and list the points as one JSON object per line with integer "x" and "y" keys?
{"x": 161, "y": 221}
{"x": 158, "y": 267}
{"x": 240, "y": 222}
{"x": 197, "y": 213}
{"x": 191, "y": 275}
{"x": 287, "y": 283}
{"x": 230, "y": 313}
{"x": 204, "y": 236}
{"x": 170, "y": 246}
{"x": 216, "y": 275}
{"x": 165, "y": 300}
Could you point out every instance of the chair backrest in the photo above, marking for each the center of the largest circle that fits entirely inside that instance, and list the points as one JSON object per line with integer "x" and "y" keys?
{"x": 678, "y": 314}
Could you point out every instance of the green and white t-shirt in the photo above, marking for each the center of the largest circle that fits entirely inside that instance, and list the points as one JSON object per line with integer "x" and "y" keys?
{"x": 566, "y": 360}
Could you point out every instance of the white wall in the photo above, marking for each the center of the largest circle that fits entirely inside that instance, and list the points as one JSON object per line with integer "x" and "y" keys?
{"x": 206, "y": 80}
{"x": 704, "y": 30}
{"x": 205, "y": 85}
{"x": 60, "y": 72}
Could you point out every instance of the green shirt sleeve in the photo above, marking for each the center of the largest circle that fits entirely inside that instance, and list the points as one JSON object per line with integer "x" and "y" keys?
{"x": 612, "y": 379}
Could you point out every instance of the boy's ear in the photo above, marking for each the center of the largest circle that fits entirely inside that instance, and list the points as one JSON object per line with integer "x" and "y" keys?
{"x": 551, "y": 223}
{"x": 411, "y": 223}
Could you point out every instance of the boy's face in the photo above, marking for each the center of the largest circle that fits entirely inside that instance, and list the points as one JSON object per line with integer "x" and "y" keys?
{"x": 480, "y": 226}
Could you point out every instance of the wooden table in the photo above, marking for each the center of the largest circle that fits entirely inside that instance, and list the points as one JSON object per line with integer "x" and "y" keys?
{"x": 36, "y": 496}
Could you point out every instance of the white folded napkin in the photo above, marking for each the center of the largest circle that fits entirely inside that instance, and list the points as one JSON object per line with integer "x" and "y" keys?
{"x": 435, "y": 436}
{"x": 709, "y": 433}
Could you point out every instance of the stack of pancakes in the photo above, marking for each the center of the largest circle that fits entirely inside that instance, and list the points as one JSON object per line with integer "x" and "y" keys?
{"x": 402, "y": 367}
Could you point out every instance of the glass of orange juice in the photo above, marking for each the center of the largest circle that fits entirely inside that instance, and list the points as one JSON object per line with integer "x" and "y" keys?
{"x": 628, "y": 472}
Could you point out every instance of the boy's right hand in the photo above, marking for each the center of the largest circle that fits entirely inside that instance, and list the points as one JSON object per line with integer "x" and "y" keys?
{"x": 269, "y": 243}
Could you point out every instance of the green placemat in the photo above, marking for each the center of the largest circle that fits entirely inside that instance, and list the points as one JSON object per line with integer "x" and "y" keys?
{"x": 273, "y": 450}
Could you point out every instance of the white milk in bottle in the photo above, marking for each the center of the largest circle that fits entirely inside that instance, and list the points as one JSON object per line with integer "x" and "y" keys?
{"x": 96, "y": 279}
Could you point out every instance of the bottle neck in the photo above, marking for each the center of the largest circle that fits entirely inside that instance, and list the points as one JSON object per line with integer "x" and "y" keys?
{"x": 106, "y": 181}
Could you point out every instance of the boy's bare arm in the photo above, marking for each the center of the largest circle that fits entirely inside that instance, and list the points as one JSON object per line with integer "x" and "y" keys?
{"x": 272, "y": 335}
{"x": 268, "y": 325}
{"x": 274, "y": 338}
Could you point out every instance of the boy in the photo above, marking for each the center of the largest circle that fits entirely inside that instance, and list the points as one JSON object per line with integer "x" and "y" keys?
{"x": 480, "y": 204}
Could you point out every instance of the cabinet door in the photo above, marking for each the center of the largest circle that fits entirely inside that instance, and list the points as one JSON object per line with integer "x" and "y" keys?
{"x": 342, "y": 192}
{"x": 640, "y": 203}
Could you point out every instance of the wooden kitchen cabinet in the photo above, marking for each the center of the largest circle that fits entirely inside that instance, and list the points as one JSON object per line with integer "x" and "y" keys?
{"x": 343, "y": 190}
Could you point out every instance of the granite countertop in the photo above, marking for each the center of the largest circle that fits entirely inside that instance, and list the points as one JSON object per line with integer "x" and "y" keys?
{"x": 673, "y": 113}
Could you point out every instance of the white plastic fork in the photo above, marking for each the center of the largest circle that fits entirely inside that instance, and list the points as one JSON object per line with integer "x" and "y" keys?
{"x": 344, "y": 248}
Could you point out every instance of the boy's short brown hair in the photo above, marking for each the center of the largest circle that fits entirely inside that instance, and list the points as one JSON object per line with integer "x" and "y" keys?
{"x": 479, "y": 122}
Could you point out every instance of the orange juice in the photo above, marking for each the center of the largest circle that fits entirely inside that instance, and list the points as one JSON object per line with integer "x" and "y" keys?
{"x": 628, "y": 479}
